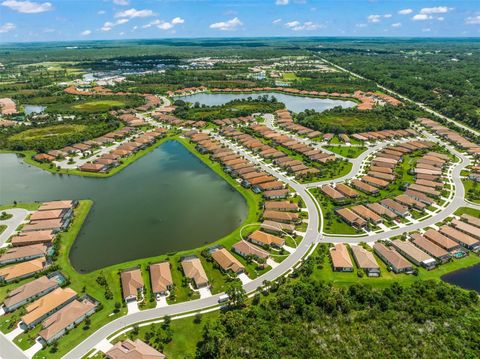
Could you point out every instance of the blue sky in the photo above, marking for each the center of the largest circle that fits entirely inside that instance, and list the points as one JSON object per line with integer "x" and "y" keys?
{"x": 131, "y": 19}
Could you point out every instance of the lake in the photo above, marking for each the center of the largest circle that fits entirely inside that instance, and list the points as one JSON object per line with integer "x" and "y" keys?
{"x": 29, "y": 109}
{"x": 467, "y": 278}
{"x": 167, "y": 201}
{"x": 293, "y": 103}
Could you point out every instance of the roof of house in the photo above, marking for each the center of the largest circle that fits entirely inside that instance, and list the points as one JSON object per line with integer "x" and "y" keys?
{"x": 440, "y": 239}
{"x": 43, "y": 225}
{"x": 411, "y": 250}
{"x": 22, "y": 269}
{"x": 160, "y": 276}
{"x": 340, "y": 256}
{"x": 393, "y": 258}
{"x": 247, "y": 248}
{"x": 364, "y": 258}
{"x": 29, "y": 290}
{"x": 347, "y": 191}
{"x": 467, "y": 228}
{"x": 17, "y": 253}
{"x": 286, "y": 216}
{"x": 132, "y": 281}
{"x": 285, "y": 205}
{"x": 457, "y": 235}
{"x": 227, "y": 261}
{"x": 331, "y": 192}
{"x": 45, "y": 304}
{"x": 137, "y": 349}
{"x": 56, "y": 205}
{"x": 474, "y": 221}
{"x": 266, "y": 238}
{"x": 64, "y": 317}
{"x": 48, "y": 214}
{"x": 193, "y": 269}
{"x": 428, "y": 246}
{"x": 35, "y": 236}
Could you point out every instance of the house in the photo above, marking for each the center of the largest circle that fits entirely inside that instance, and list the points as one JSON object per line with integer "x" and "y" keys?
{"x": 381, "y": 210}
{"x": 366, "y": 261}
{"x": 129, "y": 349}
{"x": 227, "y": 261}
{"x": 246, "y": 249}
{"x": 66, "y": 318}
{"x": 474, "y": 221}
{"x": 193, "y": 270}
{"x": 91, "y": 167}
{"x": 351, "y": 218}
{"x": 265, "y": 239}
{"x": 54, "y": 225}
{"x": 395, "y": 207}
{"x": 46, "y": 237}
{"x": 364, "y": 187}
{"x": 441, "y": 240}
{"x": 346, "y": 191}
{"x": 392, "y": 258}
{"x": 413, "y": 254}
{"x": 277, "y": 227}
{"x": 375, "y": 182}
{"x": 366, "y": 214}
{"x": 62, "y": 214}
{"x": 28, "y": 292}
{"x": 23, "y": 270}
{"x": 466, "y": 228}
{"x": 276, "y": 194}
{"x": 461, "y": 238}
{"x": 341, "y": 261}
{"x": 47, "y": 305}
{"x": 332, "y": 193}
{"x": 21, "y": 254}
{"x": 132, "y": 284}
{"x": 281, "y": 206}
{"x": 430, "y": 248}
{"x": 44, "y": 157}
{"x": 284, "y": 217}
{"x": 161, "y": 277}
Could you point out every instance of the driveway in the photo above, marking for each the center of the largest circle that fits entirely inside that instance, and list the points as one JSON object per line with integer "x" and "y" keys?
{"x": 19, "y": 216}
{"x": 132, "y": 307}
{"x": 30, "y": 352}
{"x": 205, "y": 292}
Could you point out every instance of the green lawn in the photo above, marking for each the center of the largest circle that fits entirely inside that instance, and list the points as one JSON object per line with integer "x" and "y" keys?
{"x": 472, "y": 190}
{"x": 51, "y": 131}
{"x": 99, "y": 106}
{"x": 95, "y": 105}
{"x": 471, "y": 211}
{"x": 347, "y": 151}
{"x": 28, "y": 206}
{"x": 2, "y": 228}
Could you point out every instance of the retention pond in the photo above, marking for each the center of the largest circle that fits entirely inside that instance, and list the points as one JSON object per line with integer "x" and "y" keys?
{"x": 167, "y": 201}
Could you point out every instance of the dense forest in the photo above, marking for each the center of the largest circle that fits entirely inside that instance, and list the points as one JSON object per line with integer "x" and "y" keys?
{"x": 351, "y": 120}
{"x": 313, "y": 319}
{"x": 444, "y": 78}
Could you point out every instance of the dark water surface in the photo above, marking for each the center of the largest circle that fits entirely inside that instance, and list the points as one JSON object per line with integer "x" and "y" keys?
{"x": 293, "y": 103}
{"x": 467, "y": 278}
{"x": 168, "y": 200}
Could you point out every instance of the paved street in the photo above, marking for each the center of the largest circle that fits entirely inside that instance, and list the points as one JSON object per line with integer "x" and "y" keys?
{"x": 19, "y": 216}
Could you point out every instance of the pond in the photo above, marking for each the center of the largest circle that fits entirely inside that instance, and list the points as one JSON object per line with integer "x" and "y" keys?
{"x": 467, "y": 278}
{"x": 293, "y": 103}
{"x": 167, "y": 201}
{"x": 29, "y": 109}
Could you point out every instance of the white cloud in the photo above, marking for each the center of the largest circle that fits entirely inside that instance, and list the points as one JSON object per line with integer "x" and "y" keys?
{"x": 281, "y": 2}
{"x": 397, "y": 24}
{"x": 86, "y": 32}
{"x": 361, "y": 25}
{"x": 8, "y": 26}
{"x": 28, "y": 7}
{"x": 405, "y": 11}
{"x": 473, "y": 20}
{"x": 440, "y": 18}
{"x": 132, "y": 13}
{"x": 435, "y": 10}
{"x": 121, "y": 2}
{"x": 421, "y": 17}
{"x": 276, "y": 21}
{"x": 374, "y": 18}
{"x": 121, "y": 22}
{"x": 177, "y": 21}
{"x": 107, "y": 26}
{"x": 229, "y": 25}
{"x": 164, "y": 25}
{"x": 101, "y": 12}
{"x": 306, "y": 26}
{"x": 387, "y": 16}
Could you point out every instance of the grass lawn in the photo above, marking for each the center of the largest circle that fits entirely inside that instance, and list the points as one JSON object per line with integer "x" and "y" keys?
{"x": 2, "y": 228}
{"x": 99, "y": 106}
{"x": 28, "y": 206}
{"x": 186, "y": 333}
{"x": 347, "y": 151}
{"x": 51, "y": 131}
{"x": 95, "y": 105}
{"x": 472, "y": 190}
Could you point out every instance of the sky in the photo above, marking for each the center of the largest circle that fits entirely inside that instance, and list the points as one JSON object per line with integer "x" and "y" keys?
{"x": 68, "y": 20}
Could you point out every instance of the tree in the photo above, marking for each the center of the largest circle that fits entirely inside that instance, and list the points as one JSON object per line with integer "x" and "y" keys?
{"x": 236, "y": 294}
